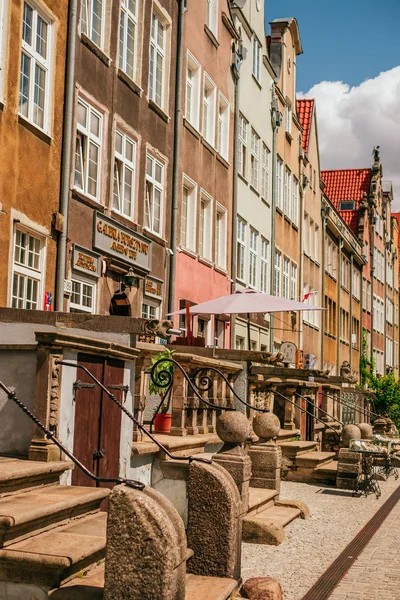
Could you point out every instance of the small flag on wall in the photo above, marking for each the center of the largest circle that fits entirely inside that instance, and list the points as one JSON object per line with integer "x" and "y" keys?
{"x": 306, "y": 296}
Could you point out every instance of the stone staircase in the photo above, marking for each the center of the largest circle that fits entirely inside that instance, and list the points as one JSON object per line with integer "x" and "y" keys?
{"x": 301, "y": 461}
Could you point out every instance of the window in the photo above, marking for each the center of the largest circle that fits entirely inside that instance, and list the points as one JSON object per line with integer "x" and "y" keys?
{"x": 35, "y": 84}
{"x": 193, "y": 79}
{"x": 356, "y": 283}
{"x": 28, "y": 267}
{"x": 293, "y": 282}
{"x": 242, "y": 145}
{"x": 239, "y": 343}
{"x": 205, "y": 228}
{"x": 256, "y": 58}
{"x": 92, "y": 20}
{"x": 254, "y": 159}
{"x": 345, "y": 273}
{"x": 330, "y": 317}
{"x": 355, "y": 333}
{"x": 286, "y": 196}
{"x": 278, "y": 268}
{"x": 347, "y": 205}
{"x": 368, "y": 305}
{"x": 389, "y": 311}
{"x": 220, "y": 237}
{"x": 82, "y": 297}
{"x": 344, "y": 326}
{"x": 3, "y": 37}
{"x": 310, "y": 297}
{"x": 264, "y": 266}
{"x": 366, "y": 251}
{"x": 278, "y": 182}
{"x": 88, "y": 150}
{"x": 265, "y": 173}
{"x": 316, "y": 242}
{"x": 188, "y": 214}
{"x": 306, "y": 226}
{"x": 154, "y": 194}
{"x": 364, "y": 293}
{"x": 240, "y": 248}
{"x": 253, "y": 258}
{"x": 285, "y": 279}
{"x": 212, "y": 15}
{"x": 128, "y": 33}
{"x": 331, "y": 258}
{"x": 149, "y": 311}
{"x": 295, "y": 201}
{"x": 124, "y": 175}
{"x": 209, "y": 96}
{"x": 288, "y": 119}
{"x": 223, "y": 127}
{"x": 157, "y": 71}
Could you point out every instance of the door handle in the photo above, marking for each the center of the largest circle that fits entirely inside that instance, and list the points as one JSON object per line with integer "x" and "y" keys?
{"x": 98, "y": 454}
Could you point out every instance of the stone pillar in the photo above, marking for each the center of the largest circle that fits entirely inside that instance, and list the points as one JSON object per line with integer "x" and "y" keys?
{"x": 289, "y": 422}
{"x": 140, "y": 394}
{"x": 179, "y": 404}
{"x": 146, "y": 547}
{"x": 348, "y": 470}
{"x": 266, "y": 456}
{"x": 214, "y": 530}
{"x": 233, "y": 428}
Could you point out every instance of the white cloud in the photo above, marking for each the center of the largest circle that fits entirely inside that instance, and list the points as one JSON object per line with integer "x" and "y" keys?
{"x": 352, "y": 120}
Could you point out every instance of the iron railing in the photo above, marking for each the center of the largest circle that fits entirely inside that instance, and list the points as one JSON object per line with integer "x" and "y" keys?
{"x": 321, "y": 410}
{"x": 117, "y": 480}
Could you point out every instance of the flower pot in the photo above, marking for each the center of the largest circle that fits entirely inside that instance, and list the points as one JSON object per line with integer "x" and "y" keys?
{"x": 162, "y": 423}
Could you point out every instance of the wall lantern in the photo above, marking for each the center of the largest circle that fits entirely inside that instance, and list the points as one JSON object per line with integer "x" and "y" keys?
{"x": 130, "y": 278}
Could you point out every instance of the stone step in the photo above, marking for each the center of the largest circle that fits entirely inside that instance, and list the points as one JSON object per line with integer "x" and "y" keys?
{"x": 313, "y": 459}
{"x": 293, "y": 449}
{"x": 199, "y": 587}
{"x": 31, "y": 513}
{"x": 267, "y": 527}
{"x": 286, "y": 435}
{"x": 19, "y": 475}
{"x": 281, "y": 514}
{"x": 260, "y": 498}
{"x": 54, "y": 557}
{"x": 326, "y": 472}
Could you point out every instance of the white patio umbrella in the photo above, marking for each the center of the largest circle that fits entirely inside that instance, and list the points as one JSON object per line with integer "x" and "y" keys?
{"x": 246, "y": 302}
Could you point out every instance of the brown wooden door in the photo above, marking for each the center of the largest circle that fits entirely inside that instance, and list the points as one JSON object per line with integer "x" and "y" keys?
{"x": 303, "y": 419}
{"x": 97, "y": 428}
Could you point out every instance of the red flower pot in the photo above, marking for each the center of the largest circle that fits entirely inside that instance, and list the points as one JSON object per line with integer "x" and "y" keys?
{"x": 162, "y": 423}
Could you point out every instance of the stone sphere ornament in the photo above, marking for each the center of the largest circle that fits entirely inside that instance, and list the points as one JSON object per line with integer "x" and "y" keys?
{"x": 266, "y": 426}
{"x": 350, "y": 432}
{"x": 233, "y": 427}
{"x": 366, "y": 431}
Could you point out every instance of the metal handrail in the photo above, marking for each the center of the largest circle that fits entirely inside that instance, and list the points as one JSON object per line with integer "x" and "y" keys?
{"x": 67, "y": 363}
{"x": 359, "y": 410}
{"x": 117, "y": 480}
{"x": 320, "y": 409}
{"x": 327, "y": 426}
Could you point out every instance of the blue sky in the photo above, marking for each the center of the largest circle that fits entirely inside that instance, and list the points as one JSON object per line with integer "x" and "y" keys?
{"x": 343, "y": 40}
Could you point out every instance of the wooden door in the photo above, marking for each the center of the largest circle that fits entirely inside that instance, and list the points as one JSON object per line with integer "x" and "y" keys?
{"x": 97, "y": 429}
{"x": 303, "y": 419}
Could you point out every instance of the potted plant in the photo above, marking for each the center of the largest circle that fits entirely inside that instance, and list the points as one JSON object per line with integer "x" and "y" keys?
{"x": 162, "y": 420}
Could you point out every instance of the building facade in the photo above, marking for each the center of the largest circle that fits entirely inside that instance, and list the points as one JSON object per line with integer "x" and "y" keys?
{"x": 33, "y": 39}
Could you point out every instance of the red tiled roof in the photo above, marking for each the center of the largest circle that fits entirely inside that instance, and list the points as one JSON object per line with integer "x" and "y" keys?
{"x": 305, "y": 109}
{"x": 347, "y": 184}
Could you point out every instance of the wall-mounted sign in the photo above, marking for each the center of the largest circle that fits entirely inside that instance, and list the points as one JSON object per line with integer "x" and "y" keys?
{"x": 288, "y": 350}
{"x": 153, "y": 288}
{"x": 86, "y": 261}
{"x": 114, "y": 239}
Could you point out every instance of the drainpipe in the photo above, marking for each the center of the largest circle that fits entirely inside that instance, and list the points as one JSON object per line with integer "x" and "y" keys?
{"x": 66, "y": 152}
{"x": 339, "y": 288}
{"x": 176, "y": 156}
{"x": 236, "y": 78}
{"x": 273, "y": 215}
{"x": 351, "y": 309}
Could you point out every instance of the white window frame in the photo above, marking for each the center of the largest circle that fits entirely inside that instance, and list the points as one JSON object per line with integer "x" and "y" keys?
{"x": 193, "y": 90}
{"x": 223, "y": 126}
{"x": 277, "y": 272}
{"x": 243, "y": 127}
{"x": 293, "y": 281}
{"x": 254, "y": 158}
{"x": 3, "y": 44}
{"x": 36, "y": 61}
{"x": 209, "y": 108}
{"x": 295, "y": 200}
{"x": 278, "y": 182}
{"x": 265, "y": 172}
{"x": 128, "y": 19}
{"x": 288, "y": 118}
{"x": 241, "y": 249}
{"x": 152, "y": 185}
{"x": 205, "y": 225}
{"x": 157, "y": 51}
{"x": 264, "y": 255}
{"x": 212, "y": 16}
{"x": 153, "y": 304}
{"x": 188, "y": 214}
{"x": 87, "y": 6}
{"x": 221, "y": 227}
{"x": 79, "y": 306}
{"x": 287, "y": 189}
{"x": 88, "y": 140}
{"x": 286, "y": 278}
{"x": 256, "y": 66}
{"x": 23, "y": 270}
{"x": 125, "y": 165}
{"x": 253, "y": 257}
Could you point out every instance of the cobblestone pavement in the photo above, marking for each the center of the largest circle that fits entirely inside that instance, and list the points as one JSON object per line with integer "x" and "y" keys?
{"x": 375, "y": 575}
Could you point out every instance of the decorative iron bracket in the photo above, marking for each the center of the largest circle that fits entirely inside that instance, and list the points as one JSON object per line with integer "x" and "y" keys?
{"x": 123, "y": 388}
{"x": 80, "y": 385}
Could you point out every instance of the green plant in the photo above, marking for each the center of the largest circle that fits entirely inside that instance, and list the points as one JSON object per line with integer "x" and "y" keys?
{"x": 162, "y": 374}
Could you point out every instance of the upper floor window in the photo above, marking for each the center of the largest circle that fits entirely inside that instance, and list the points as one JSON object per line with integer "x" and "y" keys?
{"x": 212, "y": 15}
{"x": 157, "y": 72}
{"x": 124, "y": 175}
{"x": 240, "y": 249}
{"x": 88, "y": 150}
{"x": 265, "y": 173}
{"x": 92, "y": 20}
{"x": 347, "y": 205}
{"x": 286, "y": 197}
{"x": 28, "y": 270}
{"x": 220, "y": 237}
{"x": 288, "y": 119}
{"x": 205, "y": 226}
{"x": 253, "y": 258}
{"x": 193, "y": 88}
{"x": 256, "y": 58}
{"x": 128, "y": 33}
{"x": 154, "y": 194}
{"x": 286, "y": 277}
{"x": 209, "y": 97}
{"x": 278, "y": 182}
{"x": 295, "y": 200}
{"x": 242, "y": 145}
{"x": 264, "y": 265}
{"x": 223, "y": 127}
{"x": 278, "y": 269}
{"x": 35, "y": 84}
{"x": 255, "y": 158}
{"x": 188, "y": 214}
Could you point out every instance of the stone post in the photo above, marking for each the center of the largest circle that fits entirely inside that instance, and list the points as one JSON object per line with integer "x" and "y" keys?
{"x": 140, "y": 394}
{"x": 233, "y": 428}
{"x": 289, "y": 423}
{"x": 146, "y": 547}
{"x": 266, "y": 456}
{"x": 179, "y": 404}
